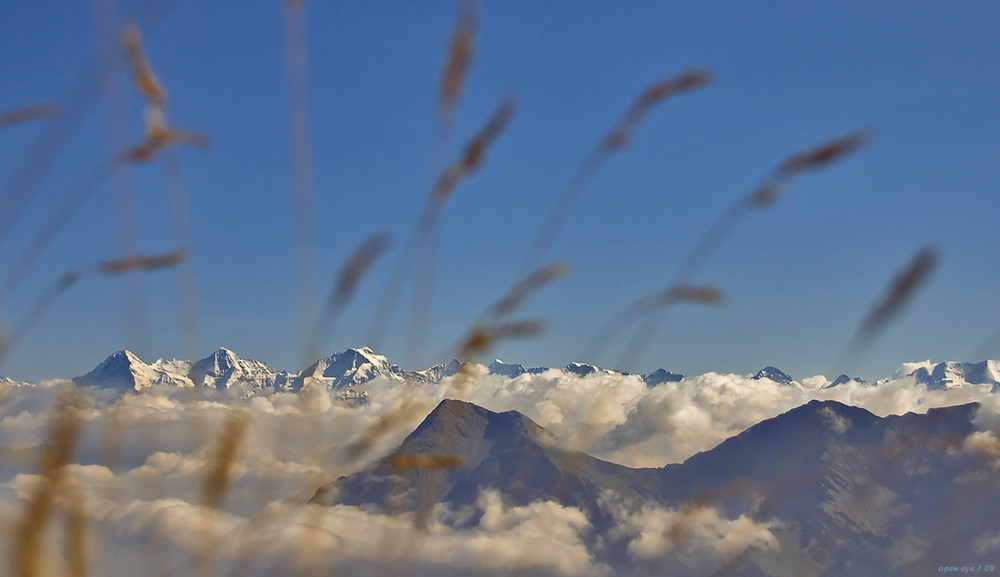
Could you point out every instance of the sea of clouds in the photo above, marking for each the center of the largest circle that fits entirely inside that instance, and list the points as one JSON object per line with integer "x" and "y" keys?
{"x": 142, "y": 463}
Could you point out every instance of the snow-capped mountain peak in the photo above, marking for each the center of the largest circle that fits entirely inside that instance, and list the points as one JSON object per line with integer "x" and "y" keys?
{"x": 348, "y": 369}
{"x": 844, "y": 379}
{"x": 124, "y": 370}
{"x": 511, "y": 370}
{"x": 581, "y": 369}
{"x": 949, "y": 375}
{"x": 773, "y": 373}
{"x": 660, "y": 376}
{"x": 224, "y": 369}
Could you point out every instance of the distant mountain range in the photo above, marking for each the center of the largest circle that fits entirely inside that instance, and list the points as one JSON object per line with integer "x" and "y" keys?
{"x": 840, "y": 490}
{"x": 345, "y": 371}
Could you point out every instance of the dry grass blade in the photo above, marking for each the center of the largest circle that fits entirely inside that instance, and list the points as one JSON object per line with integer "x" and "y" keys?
{"x": 76, "y": 536}
{"x": 35, "y": 312}
{"x": 67, "y": 424}
{"x": 143, "y": 79}
{"x": 481, "y": 338}
{"x": 17, "y": 190}
{"x": 812, "y": 159}
{"x": 407, "y": 462}
{"x": 707, "y": 295}
{"x": 343, "y": 289}
{"x": 474, "y": 153}
{"x": 471, "y": 160}
{"x": 220, "y": 470}
{"x": 384, "y": 423}
{"x": 159, "y": 136}
{"x": 47, "y": 233}
{"x": 144, "y": 262}
{"x": 652, "y": 96}
{"x": 614, "y": 141}
{"x": 139, "y": 262}
{"x": 901, "y": 290}
{"x": 823, "y": 154}
{"x": 297, "y": 81}
{"x": 529, "y": 285}
{"x": 355, "y": 268}
{"x": 4, "y": 344}
{"x": 459, "y": 55}
{"x": 27, "y": 114}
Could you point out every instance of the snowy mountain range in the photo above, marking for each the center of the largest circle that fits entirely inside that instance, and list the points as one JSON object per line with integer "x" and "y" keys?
{"x": 829, "y": 488}
{"x": 348, "y": 370}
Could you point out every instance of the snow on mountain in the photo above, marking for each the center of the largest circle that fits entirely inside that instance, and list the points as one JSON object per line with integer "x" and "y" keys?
{"x": 486, "y": 450}
{"x": 431, "y": 375}
{"x": 9, "y": 382}
{"x": 844, "y": 379}
{"x": 511, "y": 370}
{"x": 660, "y": 376}
{"x": 949, "y": 375}
{"x": 223, "y": 369}
{"x": 837, "y": 486}
{"x": 774, "y": 374}
{"x": 581, "y": 369}
{"x": 347, "y": 369}
{"x": 124, "y": 370}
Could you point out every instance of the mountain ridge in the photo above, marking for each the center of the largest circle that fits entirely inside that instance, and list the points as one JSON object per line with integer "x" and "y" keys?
{"x": 844, "y": 486}
{"x": 346, "y": 371}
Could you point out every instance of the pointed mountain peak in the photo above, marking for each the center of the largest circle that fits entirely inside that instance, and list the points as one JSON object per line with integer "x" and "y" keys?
{"x": 223, "y": 368}
{"x": 124, "y": 370}
{"x": 123, "y": 356}
{"x": 363, "y": 352}
{"x": 580, "y": 369}
{"x": 774, "y": 374}
{"x": 454, "y": 414}
{"x": 660, "y": 376}
{"x": 511, "y": 370}
{"x": 843, "y": 379}
{"x": 346, "y": 369}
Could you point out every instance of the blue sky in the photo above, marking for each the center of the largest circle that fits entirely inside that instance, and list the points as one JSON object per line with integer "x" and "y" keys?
{"x": 800, "y": 275}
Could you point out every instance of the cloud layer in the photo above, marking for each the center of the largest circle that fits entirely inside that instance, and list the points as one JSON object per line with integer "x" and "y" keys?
{"x": 141, "y": 466}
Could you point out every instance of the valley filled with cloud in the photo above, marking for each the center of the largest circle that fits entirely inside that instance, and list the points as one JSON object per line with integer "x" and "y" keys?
{"x": 150, "y": 487}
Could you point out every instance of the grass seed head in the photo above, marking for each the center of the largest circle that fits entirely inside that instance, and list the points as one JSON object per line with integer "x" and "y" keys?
{"x": 824, "y": 154}
{"x": 27, "y": 114}
{"x": 406, "y": 462}
{"x": 357, "y": 266}
{"x": 902, "y": 289}
{"x": 144, "y": 262}
{"x": 459, "y": 56}
{"x": 227, "y": 445}
{"x": 143, "y": 78}
{"x": 529, "y": 285}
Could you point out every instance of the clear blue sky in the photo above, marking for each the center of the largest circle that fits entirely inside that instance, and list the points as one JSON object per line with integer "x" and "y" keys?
{"x": 800, "y": 275}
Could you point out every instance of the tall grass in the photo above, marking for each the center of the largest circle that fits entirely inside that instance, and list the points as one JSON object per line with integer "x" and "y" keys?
{"x": 493, "y": 326}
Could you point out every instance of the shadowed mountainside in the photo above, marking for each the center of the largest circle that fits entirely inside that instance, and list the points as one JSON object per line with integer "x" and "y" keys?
{"x": 847, "y": 488}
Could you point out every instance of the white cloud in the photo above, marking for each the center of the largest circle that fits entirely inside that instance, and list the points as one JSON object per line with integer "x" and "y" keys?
{"x": 144, "y": 457}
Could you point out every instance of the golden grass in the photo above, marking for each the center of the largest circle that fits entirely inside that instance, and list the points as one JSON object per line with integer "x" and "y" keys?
{"x": 29, "y": 539}
{"x": 143, "y": 78}
{"x": 68, "y": 416}
{"x": 27, "y": 114}
{"x": 612, "y": 142}
{"x": 456, "y": 66}
{"x": 407, "y": 462}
